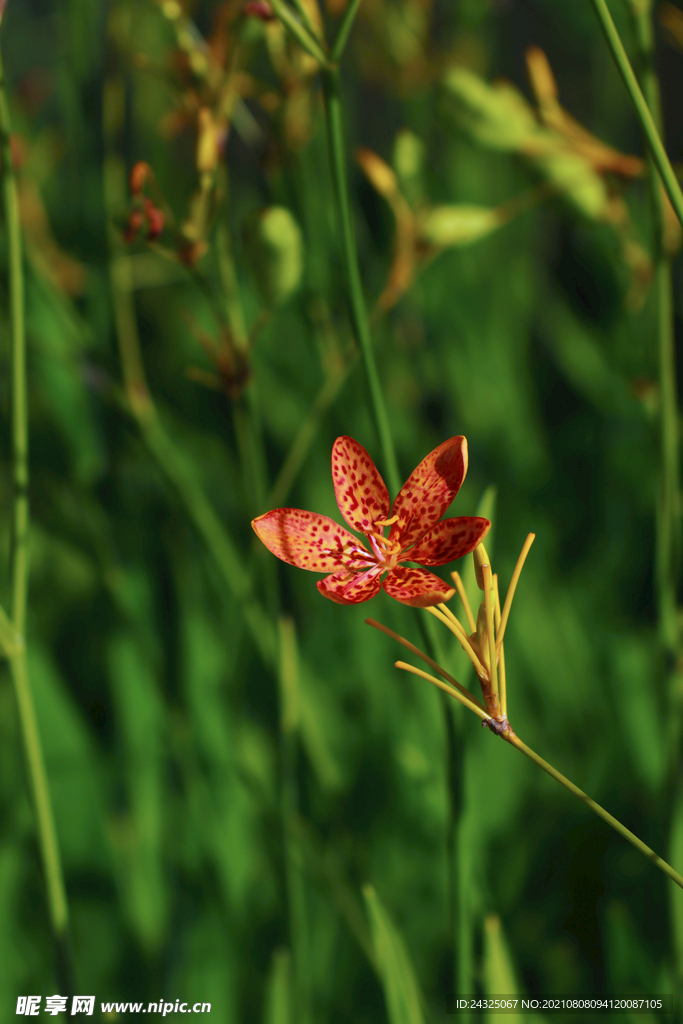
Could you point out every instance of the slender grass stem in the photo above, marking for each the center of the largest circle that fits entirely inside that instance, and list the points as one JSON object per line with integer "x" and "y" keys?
{"x": 596, "y": 808}
{"x": 359, "y": 313}
{"x": 345, "y": 27}
{"x": 652, "y": 138}
{"x": 306, "y": 434}
{"x": 668, "y": 518}
{"x": 172, "y": 461}
{"x": 288, "y": 678}
{"x": 303, "y": 37}
{"x": 47, "y": 834}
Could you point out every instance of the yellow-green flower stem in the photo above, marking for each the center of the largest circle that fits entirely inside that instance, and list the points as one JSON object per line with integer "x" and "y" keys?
{"x": 462, "y": 594}
{"x": 47, "y": 834}
{"x": 469, "y": 704}
{"x": 654, "y": 142}
{"x": 596, "y": 808}
{"x": 502, "y": 728}
{"x": 668, "y": 537}
{"x": 359, "y": 313}
{"x": 513, "y": 586}
{"x": 490, "y": 635}
{"x": 502, "y": 679}
{"x": 461, "y": 636}
{"x": 454, "y": 684}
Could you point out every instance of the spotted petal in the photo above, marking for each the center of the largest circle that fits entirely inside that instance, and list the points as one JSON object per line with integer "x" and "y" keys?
{"x": 416, "y": 587}
{"x": 311, "y": 541}
{"x": 361, "y": 493}
{"x": 345, "y": 588}
{"x": 448, "y": 540}
{"x": 429, "y": 490}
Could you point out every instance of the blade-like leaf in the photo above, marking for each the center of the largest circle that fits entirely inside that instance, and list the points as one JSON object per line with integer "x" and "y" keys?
{"x": 401, "y": 989}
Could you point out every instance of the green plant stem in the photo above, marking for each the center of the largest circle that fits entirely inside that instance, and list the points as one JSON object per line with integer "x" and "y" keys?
{"x": 642, "y": 110}
{"x": 47, "y": 834}
{"x": 345, "y": 27}
{"x": 175, "y": 465}
{"x": 245, "y": 407}
{"x": 596, "y": 808}
{"x": 288, "y": 678}
{"x": 359, "y": 313}
{"x": 668, "y": 517}
{"x": 303, "y": 37}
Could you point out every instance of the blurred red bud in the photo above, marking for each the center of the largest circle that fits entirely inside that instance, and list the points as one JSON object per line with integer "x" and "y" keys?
{"x": 155, "y": 220}
{"x": 135, "y": 222}
{"x": 138, "y": 176}
{"x": 259, "y": 9}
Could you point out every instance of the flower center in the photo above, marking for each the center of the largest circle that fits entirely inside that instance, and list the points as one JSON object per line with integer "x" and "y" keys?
{"x": 386, "y": 551}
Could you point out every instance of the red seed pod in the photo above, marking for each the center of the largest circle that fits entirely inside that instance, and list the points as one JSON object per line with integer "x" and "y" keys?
{"x": 135, "y": 222}
{"x": 138, "y": 176}
{"x": 155, "y": 220}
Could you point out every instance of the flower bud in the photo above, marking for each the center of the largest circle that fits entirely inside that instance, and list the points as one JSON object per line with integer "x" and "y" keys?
{"x": 259, "y": 9}
{"x": 443, "y": 226}
{"x": 496, "y": 116}
{"x": 273, "y": 246}
{"x": 135, "y": 221}
{"x": 155, "y": 220}
{"x": 138, "y": 176}
{"x": 206, "y": 156}
{"x": 408, "y": 159}
{"x": 481, "y": 559}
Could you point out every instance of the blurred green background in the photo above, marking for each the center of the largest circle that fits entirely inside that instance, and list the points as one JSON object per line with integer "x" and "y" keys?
{"x": 233, "y": 760}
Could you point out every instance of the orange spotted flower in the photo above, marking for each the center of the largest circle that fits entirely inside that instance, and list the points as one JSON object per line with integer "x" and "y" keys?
{"x": 312, "y": 541}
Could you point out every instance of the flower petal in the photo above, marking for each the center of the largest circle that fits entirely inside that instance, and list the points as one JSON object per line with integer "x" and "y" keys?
{"x": 361, "y": 493}
{"x": 448, "y": 540}
{"x": 416, "y": 587}
{"x": 345, "y": 588}
{"x": 429, "y": 490}
{"x": 311, "y": 541}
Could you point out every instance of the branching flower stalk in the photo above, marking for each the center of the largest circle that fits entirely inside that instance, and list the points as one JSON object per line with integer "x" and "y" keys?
{"x": 482, "y": 641}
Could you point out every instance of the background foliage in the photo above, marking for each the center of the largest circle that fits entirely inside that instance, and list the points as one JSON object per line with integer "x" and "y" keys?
{"x": 255, "y": 808}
